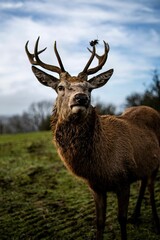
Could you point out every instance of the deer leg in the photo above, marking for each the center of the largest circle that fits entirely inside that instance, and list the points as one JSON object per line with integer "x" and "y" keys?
{"x": 137, "y": 209}
{"x": 100, "y": 204}
{"x": 123, "y": 202}
{"x": 152, "y": 200}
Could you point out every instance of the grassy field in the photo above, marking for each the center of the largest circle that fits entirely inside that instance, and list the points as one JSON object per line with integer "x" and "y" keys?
{"x": 39, "y": 199}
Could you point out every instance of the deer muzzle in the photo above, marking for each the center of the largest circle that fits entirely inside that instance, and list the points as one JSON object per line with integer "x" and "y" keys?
{"x": 80, "y": 102}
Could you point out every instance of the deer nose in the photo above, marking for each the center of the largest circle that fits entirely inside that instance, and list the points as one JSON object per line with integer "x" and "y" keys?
{"x": 81, "y": 99}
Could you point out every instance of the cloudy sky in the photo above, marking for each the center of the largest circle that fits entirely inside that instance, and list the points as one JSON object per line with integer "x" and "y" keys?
{"x": 132, "y": 29}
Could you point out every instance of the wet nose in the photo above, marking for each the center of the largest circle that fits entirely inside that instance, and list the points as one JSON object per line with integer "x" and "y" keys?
{"x": 81, "y": 99}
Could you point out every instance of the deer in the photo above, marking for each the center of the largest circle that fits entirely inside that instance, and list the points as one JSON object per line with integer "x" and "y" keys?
{"x": 107, "y": 152}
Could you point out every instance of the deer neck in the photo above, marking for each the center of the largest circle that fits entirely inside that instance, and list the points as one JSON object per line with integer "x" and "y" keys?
{"x": 74, "y": 140}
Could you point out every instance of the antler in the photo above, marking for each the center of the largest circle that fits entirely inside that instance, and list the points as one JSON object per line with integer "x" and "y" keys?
{"x": 35, "y": 60}
{"x": 102, "y": 59}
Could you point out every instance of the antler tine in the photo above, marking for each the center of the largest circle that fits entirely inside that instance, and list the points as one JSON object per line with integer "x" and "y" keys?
{"x": 31, "y": 55}
{"x": 102, "y": 59}
{"x": 42, "y": 64}
{"x": 97, "y": 56}
{"x": 85, "y": 70}
{"x": 58, "y": 57}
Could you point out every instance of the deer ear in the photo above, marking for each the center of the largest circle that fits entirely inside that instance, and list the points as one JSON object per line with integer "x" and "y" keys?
{"x": 101, "y": 79}
{"x": 45, "y": 79}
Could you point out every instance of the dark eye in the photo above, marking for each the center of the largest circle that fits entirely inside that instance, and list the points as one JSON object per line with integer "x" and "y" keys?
{"x": 60, "y": 88}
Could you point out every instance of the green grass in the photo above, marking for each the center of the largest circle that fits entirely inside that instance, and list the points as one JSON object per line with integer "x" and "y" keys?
{"x": 39, "y": 199}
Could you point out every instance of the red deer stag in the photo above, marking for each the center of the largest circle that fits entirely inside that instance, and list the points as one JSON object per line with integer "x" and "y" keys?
{"x": 107, "y": 152}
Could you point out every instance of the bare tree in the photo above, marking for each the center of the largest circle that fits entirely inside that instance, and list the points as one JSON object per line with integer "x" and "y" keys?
{"x": 39, "y": 114}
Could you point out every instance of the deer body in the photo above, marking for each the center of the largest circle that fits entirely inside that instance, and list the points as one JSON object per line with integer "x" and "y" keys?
{"x": 108, "y": 144}
{"x": 107, "y": 152}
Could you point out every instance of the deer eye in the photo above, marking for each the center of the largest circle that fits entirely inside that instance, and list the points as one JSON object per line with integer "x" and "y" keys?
{"x": 61, "y": 88}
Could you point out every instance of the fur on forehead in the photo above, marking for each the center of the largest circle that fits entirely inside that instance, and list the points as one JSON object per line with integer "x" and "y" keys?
{"x": 72, "y": 79}
{"x": 75, "y": 79}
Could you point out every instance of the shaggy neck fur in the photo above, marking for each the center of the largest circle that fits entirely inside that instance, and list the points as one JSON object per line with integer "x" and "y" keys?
{"x": 76, "y": 139}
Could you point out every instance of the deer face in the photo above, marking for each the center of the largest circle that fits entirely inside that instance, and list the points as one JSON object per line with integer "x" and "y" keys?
{"x": 73, "y": 98}
{"x": 74, "y": 93}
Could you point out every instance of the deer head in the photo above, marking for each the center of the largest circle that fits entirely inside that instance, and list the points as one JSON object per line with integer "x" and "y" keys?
{"x": 74, "y": 92}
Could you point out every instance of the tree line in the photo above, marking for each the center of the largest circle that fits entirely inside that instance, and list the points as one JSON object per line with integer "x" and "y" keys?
{"x": 37, "y": 118}
{"x": 150, "y": 97}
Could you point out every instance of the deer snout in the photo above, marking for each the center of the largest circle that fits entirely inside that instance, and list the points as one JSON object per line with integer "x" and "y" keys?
{"x": 80, "y": 103}
{"x": 81, "y": 99}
